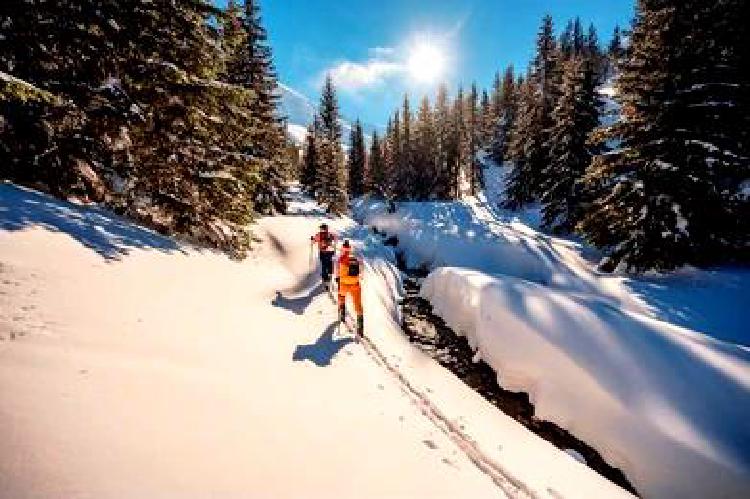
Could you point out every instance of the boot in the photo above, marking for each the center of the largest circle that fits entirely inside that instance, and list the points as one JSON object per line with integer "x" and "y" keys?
{"x": 360, "y": 325}
{"x": 342, "y": 313}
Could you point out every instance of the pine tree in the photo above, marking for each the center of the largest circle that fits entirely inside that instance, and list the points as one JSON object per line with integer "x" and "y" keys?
{"x": 356, "y": 161}
{"x": 487, "y": 121}
{"x": 404, "y": 181}
{"x": 506, "y": 112}
{"x": 310, "y": 161}
{"x": 376, "y": 171}
{"x": 394, "y": 158}
{"x": 615, "y": 52}
{"x": 669, "y": 194}
{"x": 424, "y": 153}
{"x": 578, "y": 38}
{"x": 331, "y": 182}
{"x": 143, "y": 125}
{"x": 442, "y": 123}
{"x": 387, "y": 146}
{"x": 529, "y": 146}
{"x": 575, "y": 116}
{"x": 251, "y": 65}
{"x": 457, "y": 146}
{"x": 593, "y": 52}
{"x": 473, "y": 171}
{"x": 526, "y": 149}
{"x": 497, "y": 98}
{"x": 566, "y": 41}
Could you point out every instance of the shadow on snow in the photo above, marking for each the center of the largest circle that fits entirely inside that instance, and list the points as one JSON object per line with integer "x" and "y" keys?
{"x": 96, "y": 228}
{"x": 325, "y": 348}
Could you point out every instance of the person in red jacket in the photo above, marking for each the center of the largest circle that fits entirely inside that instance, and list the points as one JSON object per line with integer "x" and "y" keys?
{"x": 326, "y": 241}
{"x": 349, "y": 275}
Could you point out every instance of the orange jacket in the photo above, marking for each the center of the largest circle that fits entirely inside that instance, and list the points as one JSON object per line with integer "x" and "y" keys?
{"x": 324, "y": 240}
{"x": 348, "y": 263}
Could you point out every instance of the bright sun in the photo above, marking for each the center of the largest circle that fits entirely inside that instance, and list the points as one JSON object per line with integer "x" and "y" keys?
{"x": 426, "y": 63}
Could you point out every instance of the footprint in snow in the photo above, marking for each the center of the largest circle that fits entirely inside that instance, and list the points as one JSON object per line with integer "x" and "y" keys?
{"x": 430, "y": 444}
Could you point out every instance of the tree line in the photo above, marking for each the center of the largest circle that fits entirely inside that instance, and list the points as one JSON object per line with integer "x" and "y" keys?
{"x": 665, "y": 183}
{"x": 163, "y": 111}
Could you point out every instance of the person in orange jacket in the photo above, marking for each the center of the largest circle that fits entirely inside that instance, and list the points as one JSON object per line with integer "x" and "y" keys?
{"x": 349, "y": 275}
{"x": 326, "y": 241}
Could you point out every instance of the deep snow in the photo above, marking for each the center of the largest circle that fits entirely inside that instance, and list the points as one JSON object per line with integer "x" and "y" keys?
{"x": 134, "y": 365}
{"x": 653, "y": 371}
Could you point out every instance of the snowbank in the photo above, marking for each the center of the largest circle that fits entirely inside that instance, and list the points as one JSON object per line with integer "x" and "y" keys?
{"x": 653, "y": 371}
{"x": 668, "y": 406}
{"x": 476, "y": 234}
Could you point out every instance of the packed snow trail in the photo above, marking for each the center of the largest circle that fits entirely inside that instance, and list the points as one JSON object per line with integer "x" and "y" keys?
{"x": 135, "y": 366}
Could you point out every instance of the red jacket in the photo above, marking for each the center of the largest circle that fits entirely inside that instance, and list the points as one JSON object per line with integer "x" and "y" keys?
{"x": 325, "y": 240}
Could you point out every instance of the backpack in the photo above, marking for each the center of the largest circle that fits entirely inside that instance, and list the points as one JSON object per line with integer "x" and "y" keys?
{"x": 353, "y": 267}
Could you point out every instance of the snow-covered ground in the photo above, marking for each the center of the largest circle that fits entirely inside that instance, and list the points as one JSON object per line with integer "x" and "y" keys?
{"x": 134, "y": 366}
{"x": 653, "y": 371}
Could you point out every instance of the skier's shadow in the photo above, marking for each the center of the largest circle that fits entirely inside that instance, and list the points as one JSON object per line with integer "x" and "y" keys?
{"x": 302, "y": 295}
{"x": 324, "y": 349}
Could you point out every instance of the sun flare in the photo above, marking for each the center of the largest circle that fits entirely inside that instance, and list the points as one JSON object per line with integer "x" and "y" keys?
{"x": 426, "y": 62}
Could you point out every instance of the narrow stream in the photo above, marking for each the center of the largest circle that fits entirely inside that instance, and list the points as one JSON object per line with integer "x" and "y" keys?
{"x": 429, "y": 333}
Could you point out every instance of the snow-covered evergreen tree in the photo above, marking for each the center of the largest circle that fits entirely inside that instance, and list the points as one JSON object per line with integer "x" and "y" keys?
{"x": 506, "y": 116}
{"x": 575, "y": 116}
{"x": 331, "y": 172}
{"x": 442, "y": 125}
{"x": 668, "y": 194}
{"x": 250, "y": 64}
{"x": 376, "y": 172}
{"x": 144, "y": 125}
{"x": 356, "y": 161}
{"x": 529, "y": 145}
{"x": 424, "y": 153}
{"x": 310, "y": 161}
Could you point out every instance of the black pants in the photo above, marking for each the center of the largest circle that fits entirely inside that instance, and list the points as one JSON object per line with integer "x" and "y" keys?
{"x": 326, "y": 264}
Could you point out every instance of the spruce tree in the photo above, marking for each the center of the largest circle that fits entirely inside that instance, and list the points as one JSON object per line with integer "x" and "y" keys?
{"x": 526, "y": 149}
{"x": 669, "y": 194}
{"x": 497, "y": 97}
{"x": 487, "y": 120}
{"x": 404, "y": 181}
{"x": 506, "y": 114}
{"x": 442, "y": 123}
{"x": 473, "y": 170}
{"x": 566, "y": 41}
{"x": 144, "y": 125}
{"x": 529, "y": 146}
{"x": 251, "y": 65}
{"x": 575, "y": 116}
{"x": 331, "y": 182}
{"x": 458, "y": 145}
{"x": 310, "y": 161}
{"x": 424, "y": 153}
{"x": 376, "y": 169}
{"x": 356, "y": 161}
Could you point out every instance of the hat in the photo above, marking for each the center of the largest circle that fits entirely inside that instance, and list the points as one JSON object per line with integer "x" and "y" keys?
{"x": 347, "y": 245}
{"x": 324, "y": 226}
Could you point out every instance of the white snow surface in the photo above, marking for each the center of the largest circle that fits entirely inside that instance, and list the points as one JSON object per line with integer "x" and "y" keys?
{"x": 652, "y": 371}
{"x": 132, "y": 365}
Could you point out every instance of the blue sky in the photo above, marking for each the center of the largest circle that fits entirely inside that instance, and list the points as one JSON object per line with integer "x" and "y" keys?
{"x": 370, "y": 47}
